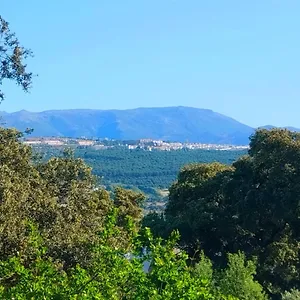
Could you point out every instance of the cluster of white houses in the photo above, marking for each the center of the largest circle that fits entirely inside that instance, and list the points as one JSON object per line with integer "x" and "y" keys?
{"x": 146, "y": 144}
{"x": 58, "y": 141}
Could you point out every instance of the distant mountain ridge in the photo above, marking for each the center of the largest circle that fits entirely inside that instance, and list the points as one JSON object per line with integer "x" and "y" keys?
{"x": 164, "y": 123}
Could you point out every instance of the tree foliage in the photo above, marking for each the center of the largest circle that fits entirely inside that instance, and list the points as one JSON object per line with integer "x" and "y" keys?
{"x": 251, "y": 206}
{"x": 61, "y": 237}
{"x": 60, "y": 196}
{"x": 112, "y": 274}
{"x": 12, "y": 57}
{"x": 291, "y": 295}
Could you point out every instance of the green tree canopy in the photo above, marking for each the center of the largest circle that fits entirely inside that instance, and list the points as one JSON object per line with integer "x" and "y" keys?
{"x": 12, "y": 59}
{"x": 111, "y": 274}
{"x": 252, "y": 206}
{"x": 60, "y": 196}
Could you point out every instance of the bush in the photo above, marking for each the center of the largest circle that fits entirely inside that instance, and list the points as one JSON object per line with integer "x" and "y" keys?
{"x": 237, "y": 279}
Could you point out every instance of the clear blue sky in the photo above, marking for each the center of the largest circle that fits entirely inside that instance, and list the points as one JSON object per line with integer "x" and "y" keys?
{"x": 239, "y": 58}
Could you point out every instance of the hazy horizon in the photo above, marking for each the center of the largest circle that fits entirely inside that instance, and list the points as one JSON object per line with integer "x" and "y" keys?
{"x": 141, "y": 107}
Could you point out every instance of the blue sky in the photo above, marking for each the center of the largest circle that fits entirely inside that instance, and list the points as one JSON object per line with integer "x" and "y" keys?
{"x": 239, "y": 58}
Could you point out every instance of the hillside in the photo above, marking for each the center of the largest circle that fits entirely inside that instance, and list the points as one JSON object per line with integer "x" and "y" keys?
{"x": 168, "y": 123}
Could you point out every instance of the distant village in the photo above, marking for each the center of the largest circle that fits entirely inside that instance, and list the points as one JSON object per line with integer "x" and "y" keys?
{"x": 145, "y": 144}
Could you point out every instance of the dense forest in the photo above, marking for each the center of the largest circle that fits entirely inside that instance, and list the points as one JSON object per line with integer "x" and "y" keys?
{"x": 140, "y": 168}
{"x": 147, "y": 171}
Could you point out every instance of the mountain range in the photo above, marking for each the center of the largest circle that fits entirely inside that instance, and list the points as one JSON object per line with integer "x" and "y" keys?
{"x": 165, "y": 123}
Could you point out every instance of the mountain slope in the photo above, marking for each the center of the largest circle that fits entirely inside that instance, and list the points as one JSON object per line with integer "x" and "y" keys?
{"x": 167, "y": 123}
